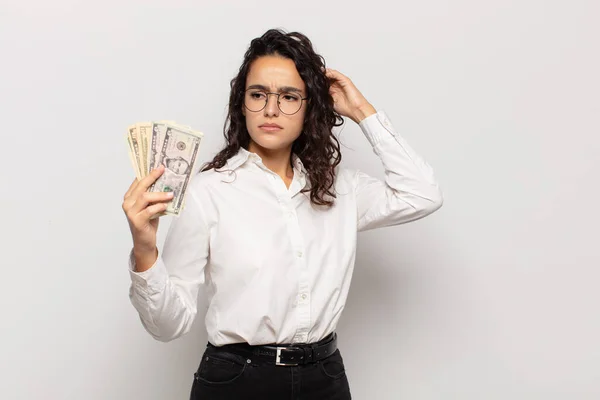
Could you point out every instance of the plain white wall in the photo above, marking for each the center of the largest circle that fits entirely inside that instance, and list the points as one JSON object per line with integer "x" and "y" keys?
{"x": 495, "y": 296}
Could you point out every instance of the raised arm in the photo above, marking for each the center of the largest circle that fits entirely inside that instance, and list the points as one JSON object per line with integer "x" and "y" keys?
{"x": 410, "y": 190}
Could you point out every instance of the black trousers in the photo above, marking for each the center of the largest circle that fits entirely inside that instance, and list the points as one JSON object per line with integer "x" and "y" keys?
{"x": 224, "y": 375}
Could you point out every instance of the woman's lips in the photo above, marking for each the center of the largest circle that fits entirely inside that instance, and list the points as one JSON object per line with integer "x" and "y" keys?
{"x": 270, "y": 128}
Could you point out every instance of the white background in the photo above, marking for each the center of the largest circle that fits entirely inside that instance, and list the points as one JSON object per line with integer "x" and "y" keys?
{"x": 495, "y": 296}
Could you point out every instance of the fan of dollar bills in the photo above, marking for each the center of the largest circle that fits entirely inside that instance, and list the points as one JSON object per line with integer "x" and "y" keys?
{"x": 170, "y": 144}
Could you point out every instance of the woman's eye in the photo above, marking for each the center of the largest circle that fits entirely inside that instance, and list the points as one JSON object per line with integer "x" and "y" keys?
{"x": 290, "y": 97}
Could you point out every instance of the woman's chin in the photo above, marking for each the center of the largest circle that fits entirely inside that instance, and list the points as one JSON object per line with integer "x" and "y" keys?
{"x": 271, "y": 144}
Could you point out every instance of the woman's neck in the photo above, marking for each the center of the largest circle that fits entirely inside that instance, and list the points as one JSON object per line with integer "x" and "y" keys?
{"x": 278, "y": 161}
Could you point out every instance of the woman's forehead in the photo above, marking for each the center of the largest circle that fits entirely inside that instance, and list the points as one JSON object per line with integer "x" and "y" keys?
{"x": 274, "y": 72}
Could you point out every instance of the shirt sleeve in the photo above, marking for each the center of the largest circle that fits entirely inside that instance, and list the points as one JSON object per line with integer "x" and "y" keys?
{"x": 165, "y": 296}
{"x": 409, "y": 191}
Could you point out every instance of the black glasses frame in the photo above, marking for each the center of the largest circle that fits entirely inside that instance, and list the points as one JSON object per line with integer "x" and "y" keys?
{"x": 267, "y": 102}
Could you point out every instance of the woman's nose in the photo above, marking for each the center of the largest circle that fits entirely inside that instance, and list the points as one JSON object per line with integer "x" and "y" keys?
{"x": 272, "y": 108}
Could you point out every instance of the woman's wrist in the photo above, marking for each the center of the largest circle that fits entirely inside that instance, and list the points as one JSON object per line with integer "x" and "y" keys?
{"x": 363, "y": 112}
{"x": 144, "y": 258}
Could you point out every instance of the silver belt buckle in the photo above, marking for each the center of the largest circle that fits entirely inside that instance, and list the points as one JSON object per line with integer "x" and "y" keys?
{"x": 278, "y": 357}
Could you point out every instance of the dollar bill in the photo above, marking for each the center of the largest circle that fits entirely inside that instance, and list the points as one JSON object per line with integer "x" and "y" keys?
{"x": 157, "y": 137}
{"x": 131, "y": 154}
{"x": 178, "y": 153}
{"x": 135, "y": 148}
{"x": 176, "y": 146}
{"x": 143, "y": 130}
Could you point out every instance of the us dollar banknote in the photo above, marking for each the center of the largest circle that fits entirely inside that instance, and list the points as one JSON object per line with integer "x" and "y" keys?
{"x": 143, "y": 132}
{"x": 167, "y": 143}
{"x": 135, "y": 149}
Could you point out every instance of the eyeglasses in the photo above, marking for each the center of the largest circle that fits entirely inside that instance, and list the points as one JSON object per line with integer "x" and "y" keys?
{"x": 289, "y": 103}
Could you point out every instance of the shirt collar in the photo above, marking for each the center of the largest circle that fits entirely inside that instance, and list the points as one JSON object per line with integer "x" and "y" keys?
{"x": 244, "y": 155}
{"x": 238, "y": 159}
{"x": 297, "y": 163}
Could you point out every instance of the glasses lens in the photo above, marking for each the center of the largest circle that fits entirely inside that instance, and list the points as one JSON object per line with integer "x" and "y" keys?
{"x": 289, "y": 103}
{"x": 255, "y": 100}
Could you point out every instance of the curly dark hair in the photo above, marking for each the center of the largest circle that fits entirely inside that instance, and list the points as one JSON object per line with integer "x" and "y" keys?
{"x": 317, "y": 147}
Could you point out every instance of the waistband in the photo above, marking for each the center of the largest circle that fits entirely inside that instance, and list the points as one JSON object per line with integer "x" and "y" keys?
{"x": 285, "y": 354}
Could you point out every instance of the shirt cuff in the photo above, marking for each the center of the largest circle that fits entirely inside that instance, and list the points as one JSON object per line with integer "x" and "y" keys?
{"x": 153, "y": 280}
{"x": 377, "y": 127}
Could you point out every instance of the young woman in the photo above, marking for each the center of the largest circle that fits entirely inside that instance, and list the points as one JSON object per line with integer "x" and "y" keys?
{"x": 270, "y": 226}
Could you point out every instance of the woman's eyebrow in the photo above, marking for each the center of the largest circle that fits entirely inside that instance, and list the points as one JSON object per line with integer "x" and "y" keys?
{"x": 281, "y": 89}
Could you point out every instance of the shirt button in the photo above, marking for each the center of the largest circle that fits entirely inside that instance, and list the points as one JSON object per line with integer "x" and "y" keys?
{"x": 299, "y": 254}
{"x": 303, "y": 296}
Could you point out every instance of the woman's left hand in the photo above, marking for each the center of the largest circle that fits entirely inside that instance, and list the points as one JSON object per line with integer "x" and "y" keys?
{"x": 348, "y": 100}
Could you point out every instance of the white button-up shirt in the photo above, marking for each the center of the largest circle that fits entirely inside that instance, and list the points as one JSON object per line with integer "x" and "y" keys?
{"x": 275, "y": 268}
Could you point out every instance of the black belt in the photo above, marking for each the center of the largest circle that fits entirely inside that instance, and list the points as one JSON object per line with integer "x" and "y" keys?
{"x": 287, "y": 354}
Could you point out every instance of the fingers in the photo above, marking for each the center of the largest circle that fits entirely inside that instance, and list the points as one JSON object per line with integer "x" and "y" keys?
{"x": 137, "y": 197}
{"x": 154, "y": 210}
{"x": 333, "y": 74}
{"x": 146, "y": 207}
{"x": 143, "y": 185}
{"x": 148, "y": 180}
{"x": 146, "y": 198}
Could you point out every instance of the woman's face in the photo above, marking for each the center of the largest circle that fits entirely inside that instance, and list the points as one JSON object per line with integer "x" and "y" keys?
{"x": 274, "y": 74}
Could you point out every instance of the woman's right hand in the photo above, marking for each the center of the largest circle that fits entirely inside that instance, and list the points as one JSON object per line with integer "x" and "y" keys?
{"x": 142, "y": 209}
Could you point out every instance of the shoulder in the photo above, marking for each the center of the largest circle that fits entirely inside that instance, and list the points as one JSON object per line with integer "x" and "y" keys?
{"x": 202, "y": 182}
{"x": 345, "y": 178}
{"x": 202, "y": 192}
{"x": 345, "y": 174}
